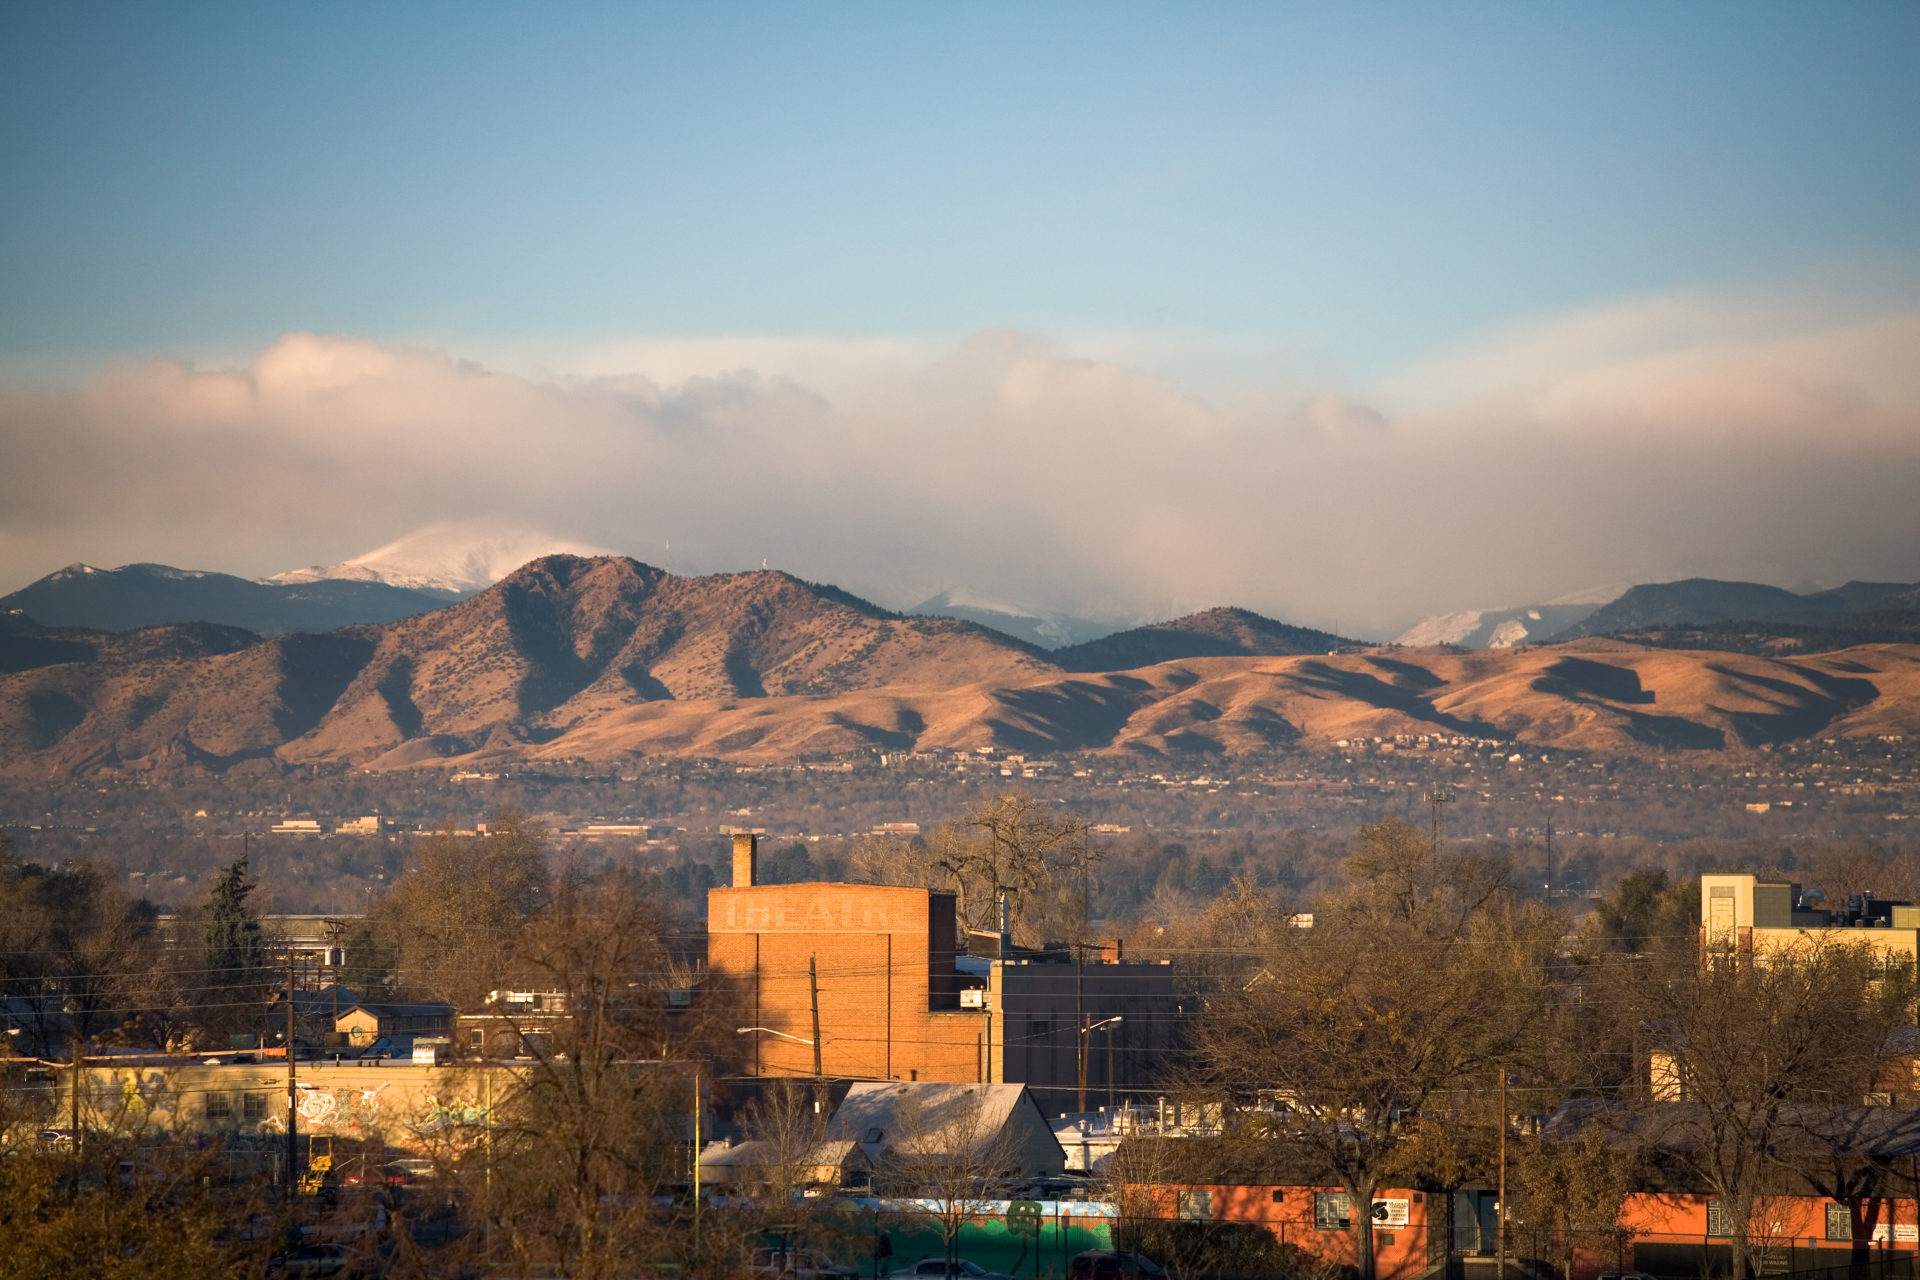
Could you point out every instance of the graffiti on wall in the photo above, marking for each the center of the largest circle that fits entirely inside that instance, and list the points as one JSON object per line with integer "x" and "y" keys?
{"x": 346, "y": 1112}
{"x": 455, "y": 1113}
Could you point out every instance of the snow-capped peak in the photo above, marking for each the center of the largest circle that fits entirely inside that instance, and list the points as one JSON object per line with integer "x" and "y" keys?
{"x": 1042, "y": 627}
{"x": 456, "y": 557}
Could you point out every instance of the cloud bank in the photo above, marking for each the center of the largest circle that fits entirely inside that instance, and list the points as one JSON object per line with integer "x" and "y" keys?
{"x": 1661, "y": 439}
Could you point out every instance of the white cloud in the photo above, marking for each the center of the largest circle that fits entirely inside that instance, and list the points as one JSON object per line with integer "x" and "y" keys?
{"x": 1668, "y": 437}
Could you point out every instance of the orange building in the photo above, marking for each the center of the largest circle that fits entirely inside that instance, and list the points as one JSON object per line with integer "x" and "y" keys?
{"x": 875, "y": 961}
{"x": 1320, "y": 1221}
{"x": 883, "y": 973}
{"x": 1675, "y": 1234}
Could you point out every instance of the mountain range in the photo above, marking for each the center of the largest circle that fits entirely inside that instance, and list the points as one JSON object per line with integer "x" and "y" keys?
{"x": 605, "y": 658}
{"x": 425, "y": 570}
{"x": 153, "y": 595}
{"x": 1495, "y": 628}
{"x": 1694, "y": 602}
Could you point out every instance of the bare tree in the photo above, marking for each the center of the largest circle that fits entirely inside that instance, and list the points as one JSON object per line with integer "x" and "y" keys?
{"x": 1019, "y": 846}
{"x": 70, "y": 946}
{"x": 452, "y": 917}
{"x": 1420, "y": 981}
{"x": 1139, "y": 1179}
{"x": 1756, "y": 1054}
{"x": 564, "y": 1164}
{"x": 129, "y": 1204}
{"x": 788, "y": 1125}
{"x": 954, "y": 1154}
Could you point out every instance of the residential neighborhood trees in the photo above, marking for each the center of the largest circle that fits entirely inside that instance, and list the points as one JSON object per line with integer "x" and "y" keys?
{"x": 1424, "y": 1028}
{"x": 449, "y": 921}
{"x": 1422, "y": 980}
{"x": 1749, "y": 1056}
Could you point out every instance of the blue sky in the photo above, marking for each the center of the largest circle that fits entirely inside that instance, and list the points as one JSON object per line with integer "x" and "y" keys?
{"x": 1360, "y": 183}
{"x": 1261, "y": 200}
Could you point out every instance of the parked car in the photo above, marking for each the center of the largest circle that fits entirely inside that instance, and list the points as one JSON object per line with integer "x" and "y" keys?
{"x": 1625, "y": 1275}
{"x": 801, "y": 1264}
{"x": 937, "y": 1269}
{"x": 412, "y": 1169}
{"x": 315, "y": 1262}
{"x": 1112, "y": 1264}
{"x": 1062, "y": 1188}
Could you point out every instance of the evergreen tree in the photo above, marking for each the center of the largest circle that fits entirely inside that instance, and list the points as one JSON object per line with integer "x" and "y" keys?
{"x": 234, "y": 949}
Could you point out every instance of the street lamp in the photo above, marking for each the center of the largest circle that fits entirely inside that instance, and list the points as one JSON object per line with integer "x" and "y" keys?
{"x": 1085, "y": 1034}
{"x": 819, "y": 1074}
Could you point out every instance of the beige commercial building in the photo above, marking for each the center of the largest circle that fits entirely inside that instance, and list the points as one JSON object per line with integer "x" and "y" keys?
{"x": 1745, "y": 916}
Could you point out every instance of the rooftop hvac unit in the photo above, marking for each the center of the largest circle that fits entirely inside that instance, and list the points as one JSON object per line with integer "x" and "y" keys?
{"x": 973, "y": 998}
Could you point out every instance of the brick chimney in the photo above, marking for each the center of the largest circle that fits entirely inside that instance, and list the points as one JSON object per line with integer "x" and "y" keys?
{"x": 746, "y": 859}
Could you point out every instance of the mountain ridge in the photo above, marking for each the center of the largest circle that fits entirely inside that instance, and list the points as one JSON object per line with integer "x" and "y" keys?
{"x": 605, "y": 658}
{"x": 1692, "y": 602}
{"x": 136, "y": 596}
{"x": 1225, "y": 631}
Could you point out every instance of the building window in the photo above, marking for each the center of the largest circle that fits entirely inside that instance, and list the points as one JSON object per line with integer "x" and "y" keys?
{"x": 219, "y": 1106}
{"x": 1196, "y": 1205}
{"x": 1279, "y": 1195}
{"x": 253, "y": 1106}
{"x": 1840, "y": 1223}
{"x": 1719, "y": 1224}
{"x": 1332, "y": 1211}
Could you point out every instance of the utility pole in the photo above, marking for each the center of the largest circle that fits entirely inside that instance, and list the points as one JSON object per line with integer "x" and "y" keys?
{"x": 1080, "y": 1015}
{"x": 1500, "y": 1222}
{"x": 79, "y": 1065}
{"x": 813, "y": 987}
{"x": 696, "y": 1162}
{"x": 1085, "y": 1035}
{"x": 819, "y": 1073}
{"x": 487, "y": 1239}
{"x": 1549, "y": 866}
{"x": 292, "y": 1096}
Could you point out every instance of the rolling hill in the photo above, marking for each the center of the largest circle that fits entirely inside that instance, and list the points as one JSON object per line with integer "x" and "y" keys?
{"x": 1214, "y": 633}
{"x": 605, "y": 658}
{"x": 562, "y": 641}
